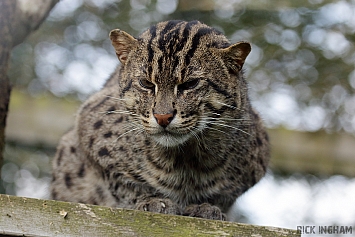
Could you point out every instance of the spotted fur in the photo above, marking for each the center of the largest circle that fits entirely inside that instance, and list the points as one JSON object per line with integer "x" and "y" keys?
{"x": 172, "y": 131}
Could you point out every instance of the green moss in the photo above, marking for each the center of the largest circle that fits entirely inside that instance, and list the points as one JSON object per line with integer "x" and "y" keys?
{"x": 27, "y": 216}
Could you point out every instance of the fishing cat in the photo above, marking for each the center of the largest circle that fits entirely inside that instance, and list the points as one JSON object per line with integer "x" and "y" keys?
{"x": 172, "y": 131}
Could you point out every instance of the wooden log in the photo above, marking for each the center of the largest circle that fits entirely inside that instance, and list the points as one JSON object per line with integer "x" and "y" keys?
{"x": 20, "y": 216}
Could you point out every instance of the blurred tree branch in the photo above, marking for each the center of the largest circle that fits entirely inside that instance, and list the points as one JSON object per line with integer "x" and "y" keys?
{"x": 17, "y": 20}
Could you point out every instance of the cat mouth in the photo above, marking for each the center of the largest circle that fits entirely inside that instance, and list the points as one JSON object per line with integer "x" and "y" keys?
{"x": 169, "y": 139}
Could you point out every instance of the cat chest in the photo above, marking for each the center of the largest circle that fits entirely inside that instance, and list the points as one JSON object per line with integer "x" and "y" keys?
{"x": 186, "y": 186}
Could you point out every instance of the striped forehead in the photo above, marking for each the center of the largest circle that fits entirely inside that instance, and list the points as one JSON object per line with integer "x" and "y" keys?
{"x": 171, "y": 46}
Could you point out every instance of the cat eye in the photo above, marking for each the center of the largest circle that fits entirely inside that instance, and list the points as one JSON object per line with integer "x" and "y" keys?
{"x": 189, "y": 84}
{"x": 146, "y": 84}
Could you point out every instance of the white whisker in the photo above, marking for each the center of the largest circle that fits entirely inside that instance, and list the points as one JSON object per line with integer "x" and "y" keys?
{"x": 134, "y": 129}
{"x": 198, "y": 139}
{"x": 119, "y": 112}
{"x": 226, "y": 119}
{"x": 114, "y": 98}
{"x": 228, "y": 126}
{"x": 229, "y": 106}
{"x": 217, "y": 130}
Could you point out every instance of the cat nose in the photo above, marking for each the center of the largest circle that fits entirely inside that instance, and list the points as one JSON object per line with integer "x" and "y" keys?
{"x": 164, "y": 119}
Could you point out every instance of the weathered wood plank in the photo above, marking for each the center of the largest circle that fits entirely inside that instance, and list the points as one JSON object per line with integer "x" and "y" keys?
{"x": 21, "y": 216}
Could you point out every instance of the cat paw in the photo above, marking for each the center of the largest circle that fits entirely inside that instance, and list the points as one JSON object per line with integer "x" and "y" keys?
{"x": 206, "y": 211}
{"x": 165, "y": 206}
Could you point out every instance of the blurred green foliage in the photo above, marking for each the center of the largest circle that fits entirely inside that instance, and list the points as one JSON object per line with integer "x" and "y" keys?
{"x": 26, "y": 170}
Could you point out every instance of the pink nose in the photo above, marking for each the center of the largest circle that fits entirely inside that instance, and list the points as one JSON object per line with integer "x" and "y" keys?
{"x": 164, "y": 119}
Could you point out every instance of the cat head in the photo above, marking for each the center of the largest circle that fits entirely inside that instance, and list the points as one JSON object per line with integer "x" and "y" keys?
{"x": 178, "y": 76}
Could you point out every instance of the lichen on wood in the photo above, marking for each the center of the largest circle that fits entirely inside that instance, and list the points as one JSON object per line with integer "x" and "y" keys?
{"x": 21, "y": 216}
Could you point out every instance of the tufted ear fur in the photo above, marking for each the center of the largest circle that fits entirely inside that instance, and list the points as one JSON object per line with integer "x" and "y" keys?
{"x": 123, "y": 44}
{"x": 234, "y": 56}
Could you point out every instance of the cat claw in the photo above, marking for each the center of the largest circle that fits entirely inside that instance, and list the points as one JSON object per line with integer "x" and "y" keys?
{"x": 165, "y": 206}
{"x": 206, "y": 211}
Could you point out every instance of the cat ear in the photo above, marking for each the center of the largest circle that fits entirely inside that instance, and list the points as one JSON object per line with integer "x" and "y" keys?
{"x": 123, "y": 44}
{"x": 234, "y": 56}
